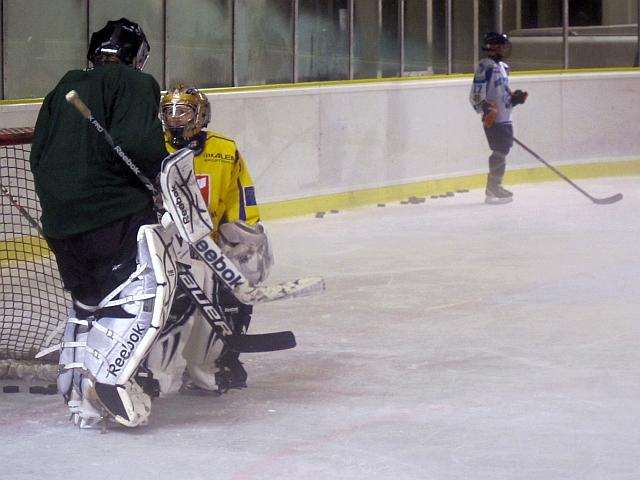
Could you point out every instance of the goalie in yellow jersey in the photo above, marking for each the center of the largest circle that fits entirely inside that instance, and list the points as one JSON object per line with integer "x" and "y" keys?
{"x": 227, "y": 188}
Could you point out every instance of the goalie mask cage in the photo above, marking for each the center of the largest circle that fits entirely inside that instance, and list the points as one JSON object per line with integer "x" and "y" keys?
{"x": 33, "y": 303}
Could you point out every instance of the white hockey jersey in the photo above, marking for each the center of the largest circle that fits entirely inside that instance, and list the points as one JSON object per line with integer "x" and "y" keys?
{"x": 491, "y": 83}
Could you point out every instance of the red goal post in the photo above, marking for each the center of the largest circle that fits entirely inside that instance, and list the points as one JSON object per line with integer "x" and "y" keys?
{"x": 33, "y": 304}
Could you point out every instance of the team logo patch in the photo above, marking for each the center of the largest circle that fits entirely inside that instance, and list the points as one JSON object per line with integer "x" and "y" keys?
{"x": 204, "y": 186}
{"x": 250, "y": 196}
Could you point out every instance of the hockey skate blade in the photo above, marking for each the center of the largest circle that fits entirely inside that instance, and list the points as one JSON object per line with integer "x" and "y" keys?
{"x": 302, "y": 287}
{"x": 497, "y": 201}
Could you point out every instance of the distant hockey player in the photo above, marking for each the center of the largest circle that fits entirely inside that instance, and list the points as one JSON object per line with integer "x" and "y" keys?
{"x": 93, "y": 208}
{"x": 492, "y": 97}
{"x": 227, "y": 188}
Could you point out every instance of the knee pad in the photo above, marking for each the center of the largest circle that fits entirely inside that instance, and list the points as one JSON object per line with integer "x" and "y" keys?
{"x": 116, "y": 346}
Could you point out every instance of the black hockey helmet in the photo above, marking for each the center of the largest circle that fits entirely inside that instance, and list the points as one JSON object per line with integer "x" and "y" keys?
{"x": 497, "y": 44}
{"x": 123, "y": 39}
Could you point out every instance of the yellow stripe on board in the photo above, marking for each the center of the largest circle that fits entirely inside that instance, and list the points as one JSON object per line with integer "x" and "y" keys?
{"x": 291, "y": 208}
{"x": 33, "y": 248}
{"x": 30, "y": 248}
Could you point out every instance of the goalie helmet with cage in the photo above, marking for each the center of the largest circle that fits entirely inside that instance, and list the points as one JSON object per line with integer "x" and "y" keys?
{"x": 185, "y": 112}
{"x": 122, "y": 39}
{"x": 497, "y": 44}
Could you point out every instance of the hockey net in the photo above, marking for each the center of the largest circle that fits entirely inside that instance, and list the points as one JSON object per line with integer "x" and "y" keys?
{"x": 33, "y": 303}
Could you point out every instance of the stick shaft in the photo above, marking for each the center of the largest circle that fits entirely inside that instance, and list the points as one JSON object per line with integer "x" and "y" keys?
{"x": 601, "y": 201}
{"x": 74, "y": 99}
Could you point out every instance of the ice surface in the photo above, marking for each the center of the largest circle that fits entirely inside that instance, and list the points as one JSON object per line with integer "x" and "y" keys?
{"x": 456, "y": 340}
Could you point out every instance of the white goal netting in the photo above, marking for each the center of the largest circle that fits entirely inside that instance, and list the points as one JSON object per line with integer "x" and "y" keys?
{"x": 32, "y": 301}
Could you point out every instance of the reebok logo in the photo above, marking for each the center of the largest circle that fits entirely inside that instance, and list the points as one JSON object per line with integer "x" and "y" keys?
{"x": 125, "y": 352}
{"x": 179, "y": 203}
{"x": 218, "y": 263}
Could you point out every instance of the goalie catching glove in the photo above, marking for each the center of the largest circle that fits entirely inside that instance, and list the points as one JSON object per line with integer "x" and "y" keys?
{"x": 249, "y": 248}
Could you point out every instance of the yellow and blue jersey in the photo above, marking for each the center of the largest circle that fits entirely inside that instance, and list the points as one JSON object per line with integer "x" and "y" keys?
{"x": 224, "y": 181}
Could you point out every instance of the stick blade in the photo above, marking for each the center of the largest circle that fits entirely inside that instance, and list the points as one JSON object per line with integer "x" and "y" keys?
{"x": 606, "y": 201}
{"x": 302, "y": 287}
{"x": 261, "y": 342}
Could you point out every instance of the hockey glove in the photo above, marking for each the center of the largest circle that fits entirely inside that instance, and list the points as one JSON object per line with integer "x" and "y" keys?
{"x": 489, "y": 113}
{"x": 518, "y": 97}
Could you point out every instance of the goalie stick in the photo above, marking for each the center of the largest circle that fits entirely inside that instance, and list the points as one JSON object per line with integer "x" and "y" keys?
{"x": 239, "y": 287}
{"x": 600, "y": 201}
{"x": 23, "y": 211}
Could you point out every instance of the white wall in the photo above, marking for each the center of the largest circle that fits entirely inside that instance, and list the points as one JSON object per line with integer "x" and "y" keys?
{"x": 307, "y": 141}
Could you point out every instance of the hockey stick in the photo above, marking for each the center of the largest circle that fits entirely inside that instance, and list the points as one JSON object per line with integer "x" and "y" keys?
{"x": 600, "y": 201}
{"x": 239, "y": 286}
{"x": 32, "y": 221}
{"x": 242, "y": 343}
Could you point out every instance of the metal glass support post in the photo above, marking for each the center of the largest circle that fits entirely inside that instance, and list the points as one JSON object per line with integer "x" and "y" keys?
{"x": 234, "y": 43}
{"x": 498, "y": 14}
{"x": 401, "y": 34}
{"x": 296, "y": 25}
{"x": 637, "y": 62}
{"x": 476, "y": 32}
{"x": 565, "y": 33}
{"x": 449, "y": 19}
{"x": 350, "y": 33}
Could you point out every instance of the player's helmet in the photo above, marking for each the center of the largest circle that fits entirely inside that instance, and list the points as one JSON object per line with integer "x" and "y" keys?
{"x": 185, "y": 112}
{"x": 123, "y": 39}
{"x": 497, "y": 44}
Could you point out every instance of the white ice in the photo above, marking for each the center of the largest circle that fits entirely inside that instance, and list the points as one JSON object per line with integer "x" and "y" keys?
{"x": 456, "y": 340}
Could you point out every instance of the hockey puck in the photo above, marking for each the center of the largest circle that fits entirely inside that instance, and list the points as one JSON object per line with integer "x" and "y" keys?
{"x": 37, "y": 389}
{"x": 10, "y": 389}
{"x": 334, "y": 211}
{"x": 435, "y": 196}
{"x": 382, "y": 205}
{"x": 52, "y": 389}
{"x": 319, "y": 214}
{"x": 462, "y": 190}
{"x": 449, "y": 194}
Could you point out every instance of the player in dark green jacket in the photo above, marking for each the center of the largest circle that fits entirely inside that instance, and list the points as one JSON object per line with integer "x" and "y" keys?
{"x": 93, "y": 206}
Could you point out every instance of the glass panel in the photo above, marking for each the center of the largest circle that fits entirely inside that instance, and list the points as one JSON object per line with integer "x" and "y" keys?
{"x": 463, "y": 48}
{"x": 376, "y": 39}
{"x": 323, "y": 40}
{"x": 602, "y": 34}
{"x": 264, "y": 41}
{"x": 40, "y": 48}
{"x": 149, "y": 14}
{"x": 417, "y": 38}
{"x": 438, "y": 24}
{"x": 199, "y": 50}
{"x": 390, "y": 39}
{"x": 538, "y": 44}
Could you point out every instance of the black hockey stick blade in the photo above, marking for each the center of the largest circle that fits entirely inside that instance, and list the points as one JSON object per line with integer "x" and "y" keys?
{"x": 606, "y": 201}
{"x": 261, "y": 342}
{"x": 600, "y": 201}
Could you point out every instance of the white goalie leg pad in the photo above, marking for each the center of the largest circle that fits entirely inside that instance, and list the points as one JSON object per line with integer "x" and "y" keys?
{"x": 249, "y": 248}
{"x": 116, "y": 346}
{"x": 182, "y": 197}
{"x": 166, "y": 359}
{"x": 201, "y": 352}
{"x": 203, "y": 346}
